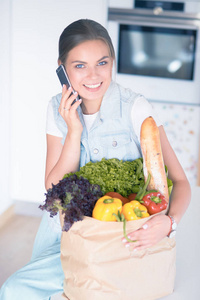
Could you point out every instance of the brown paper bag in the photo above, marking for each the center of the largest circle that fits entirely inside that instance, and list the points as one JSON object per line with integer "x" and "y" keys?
{"x": 97, "y": 266}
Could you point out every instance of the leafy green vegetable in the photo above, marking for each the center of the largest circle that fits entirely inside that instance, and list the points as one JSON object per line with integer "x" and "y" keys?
{"x": 123, "y": 177}
{"x": 76, "y": 194}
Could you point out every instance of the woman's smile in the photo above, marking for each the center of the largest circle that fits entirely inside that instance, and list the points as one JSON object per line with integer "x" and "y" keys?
{"x": 93, "y": 87}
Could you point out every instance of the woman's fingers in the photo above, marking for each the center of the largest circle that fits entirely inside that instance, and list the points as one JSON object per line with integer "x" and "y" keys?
{"x": 153, "y": 231}
{"x": 67, "y": 98}
{"x": 68, "y": 111}
{"x": 65, "y": 95}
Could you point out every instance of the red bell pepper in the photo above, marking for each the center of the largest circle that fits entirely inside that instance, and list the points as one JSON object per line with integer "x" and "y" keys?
{"x": 154, "y": 202}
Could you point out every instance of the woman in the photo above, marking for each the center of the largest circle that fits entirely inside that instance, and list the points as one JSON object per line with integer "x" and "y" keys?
{"x": 104, "y": 123}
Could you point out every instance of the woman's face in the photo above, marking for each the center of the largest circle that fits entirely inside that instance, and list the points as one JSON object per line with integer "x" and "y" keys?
{"x": 89, "y": 67}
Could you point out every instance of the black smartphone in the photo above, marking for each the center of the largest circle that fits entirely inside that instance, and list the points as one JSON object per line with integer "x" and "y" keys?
{"x": 64, "y": 79}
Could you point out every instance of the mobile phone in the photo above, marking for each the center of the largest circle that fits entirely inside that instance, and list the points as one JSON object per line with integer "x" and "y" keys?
{"x": 64, "y": 79}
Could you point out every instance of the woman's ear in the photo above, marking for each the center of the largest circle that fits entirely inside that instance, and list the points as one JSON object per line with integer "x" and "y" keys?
{"x": 59, "y": 62}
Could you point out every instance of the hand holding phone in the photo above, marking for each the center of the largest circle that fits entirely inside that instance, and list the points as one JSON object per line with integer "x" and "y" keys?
{"x": 64, "y": 79}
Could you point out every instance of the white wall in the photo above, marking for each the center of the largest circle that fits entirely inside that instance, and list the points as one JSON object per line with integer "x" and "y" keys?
{"x": 35, "y": 30}
{"x": 5, "y": 104}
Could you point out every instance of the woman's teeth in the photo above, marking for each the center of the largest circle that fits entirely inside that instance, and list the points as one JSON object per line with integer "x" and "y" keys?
{"x": 92, "y": 86}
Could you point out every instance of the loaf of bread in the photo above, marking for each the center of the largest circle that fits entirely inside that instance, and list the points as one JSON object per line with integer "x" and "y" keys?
{"x": 152, "y": 157}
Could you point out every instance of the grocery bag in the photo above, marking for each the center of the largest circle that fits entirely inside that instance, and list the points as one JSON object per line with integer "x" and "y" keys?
{"x": 97, "y": 265}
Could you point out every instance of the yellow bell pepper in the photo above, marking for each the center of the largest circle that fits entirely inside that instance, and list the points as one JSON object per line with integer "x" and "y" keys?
{"x": 105, "y": 207}
{"x": 133, "y": 210}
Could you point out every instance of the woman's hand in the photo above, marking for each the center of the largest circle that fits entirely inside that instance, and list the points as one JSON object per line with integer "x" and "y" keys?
{"x": 69, "y": 112}
{"x": 153, "y": 231}
{"x": 62, "y": 159}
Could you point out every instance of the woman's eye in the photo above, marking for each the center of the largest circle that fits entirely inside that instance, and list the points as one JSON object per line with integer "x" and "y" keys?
{"x": 102, "y": 63}
{"x": 79, "y": 66}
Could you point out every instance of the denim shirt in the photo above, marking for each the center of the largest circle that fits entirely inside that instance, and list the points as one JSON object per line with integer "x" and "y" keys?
{"x": 112, "y": 134}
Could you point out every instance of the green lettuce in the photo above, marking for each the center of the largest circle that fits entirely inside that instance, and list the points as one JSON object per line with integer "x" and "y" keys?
{"x": 123, "y": 177}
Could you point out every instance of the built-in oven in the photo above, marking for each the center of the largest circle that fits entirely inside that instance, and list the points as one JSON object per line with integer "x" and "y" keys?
{"x": 157, "y": 47}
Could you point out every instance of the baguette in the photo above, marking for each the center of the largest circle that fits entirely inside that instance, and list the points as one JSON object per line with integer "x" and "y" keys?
{"x": 152, "y": 157}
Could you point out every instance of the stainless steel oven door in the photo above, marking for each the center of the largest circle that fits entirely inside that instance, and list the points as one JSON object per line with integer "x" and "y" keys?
{"x": 157, "y": 55}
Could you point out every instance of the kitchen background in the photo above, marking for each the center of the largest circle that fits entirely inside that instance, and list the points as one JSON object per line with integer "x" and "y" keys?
{"x": 29, "y": 32}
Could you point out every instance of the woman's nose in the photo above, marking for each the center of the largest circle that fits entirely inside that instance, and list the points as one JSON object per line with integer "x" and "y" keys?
{"x": 92, "y": 72}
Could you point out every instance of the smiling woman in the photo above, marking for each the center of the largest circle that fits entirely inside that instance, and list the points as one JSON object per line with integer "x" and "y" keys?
{"x": 104, "y": 123}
